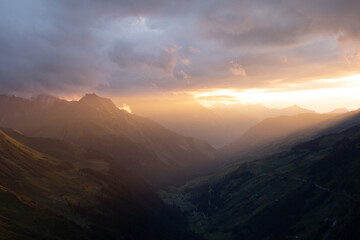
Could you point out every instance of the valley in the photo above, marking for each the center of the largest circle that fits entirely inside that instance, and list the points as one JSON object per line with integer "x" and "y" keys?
{"x": 99, "y": 172}
{"x": 308, "y": 192}
{"x": 179, "y": 120}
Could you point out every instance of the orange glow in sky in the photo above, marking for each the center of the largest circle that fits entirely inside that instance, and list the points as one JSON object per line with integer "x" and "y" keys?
{"x": 321, "y": 95}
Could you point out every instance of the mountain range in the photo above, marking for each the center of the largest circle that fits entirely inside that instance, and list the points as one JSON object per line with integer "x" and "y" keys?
{"x": 87, "y": 196}
{"x": 89, "y": 170}
{"x": 219, "y": 125}
{"x": 275, "y": 132}
{"x": 138, "y": 144}
{"x": 310, "y": 191}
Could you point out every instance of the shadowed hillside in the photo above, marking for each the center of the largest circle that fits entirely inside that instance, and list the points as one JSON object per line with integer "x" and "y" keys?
{"x": 138, "y": 144}
{"x": 309, "y": 192}
{"x": 273, "y": 134}
{"x": 43, "y": 197}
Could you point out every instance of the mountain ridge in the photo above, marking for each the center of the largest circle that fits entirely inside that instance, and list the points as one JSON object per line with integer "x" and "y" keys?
{"x": 139, "y": 144}
{"x": 43, "y": 197}
{"x": 307, "y": 192}
{"x": 271, "y": 130}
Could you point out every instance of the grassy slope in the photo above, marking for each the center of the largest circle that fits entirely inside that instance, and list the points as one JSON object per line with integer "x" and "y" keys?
{"x": 42, "y": 195}
{"x": 78, "y": 156}
{"x": 21, "y": 218}
{"x": 139, "y": 144}
{"x": 309, "y": 192}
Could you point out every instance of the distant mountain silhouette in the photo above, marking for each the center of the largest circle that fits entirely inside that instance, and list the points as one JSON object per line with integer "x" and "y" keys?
{"x": 189, "y": 118}
{"x": 270, "y": 131}
{"x": 338, "y": 124}
{"x": 339, "y": 110}
{"x": 258, "y": 111}
{"x": 139, "y": 144}
{"x": 219, "y": 125}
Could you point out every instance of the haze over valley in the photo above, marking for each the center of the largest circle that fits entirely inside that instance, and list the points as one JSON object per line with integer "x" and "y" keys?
{"x": 173, "y": 120}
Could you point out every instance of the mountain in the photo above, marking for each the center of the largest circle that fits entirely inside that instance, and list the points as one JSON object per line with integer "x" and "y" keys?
{"x": 238, "y": 118}
{"x": 339, "y": 123}
{"x": 79, "y": 156}
{"x": 291, "y": 110}
{"x": 43, "y": 197}
{"x": 258, "y": 111}
{"x": 189, "y": 118}
{"x": 254, "y": 110}
{"x": 339, "y": 110}
{"x": 139, "y": 144}
{"x": 271, "y": 130}
{"x": 219, "y": 125}
{"x": 308, "y": 192}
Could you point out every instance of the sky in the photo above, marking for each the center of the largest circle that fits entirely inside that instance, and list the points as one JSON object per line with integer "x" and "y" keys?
{"x": 275, "y": 52}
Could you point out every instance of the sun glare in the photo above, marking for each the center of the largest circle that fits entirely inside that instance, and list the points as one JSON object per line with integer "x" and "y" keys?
{"x": 321, "y": 95}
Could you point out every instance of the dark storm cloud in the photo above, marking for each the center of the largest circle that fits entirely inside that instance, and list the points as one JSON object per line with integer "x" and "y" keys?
{"x": 254, "y": 23}
{"x": 43, "y": 51}
{"x": 125, "y": 55}
{"x": 280, "y": 22}
{"x": 55, "y": 45}
{"x": 87, "y": 45}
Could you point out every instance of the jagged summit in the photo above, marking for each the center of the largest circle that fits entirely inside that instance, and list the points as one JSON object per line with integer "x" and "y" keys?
{"x": 292, "y": 110}
{"x": 137, "y": 143}
{"x": 296, "y": 107}
{"x": 90, "y": 96}
{"x": 93, "y": 100}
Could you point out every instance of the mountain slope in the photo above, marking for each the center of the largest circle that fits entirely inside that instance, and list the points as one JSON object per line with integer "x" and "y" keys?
{"x": 78, "y": 156}
{"x": 340, "y": 110}
{"x": 43, "y": 197}
{"x": 309, "y": 192}
{"x": 189, "y": 118}
{"x": 139, "y": 144}
{"x": 271, "y": 131}
{"x": 25, "y": 220}
{"x": 340, "y": 123}
{"x": 219, "y": 124}
{"x": 257, "y": 111}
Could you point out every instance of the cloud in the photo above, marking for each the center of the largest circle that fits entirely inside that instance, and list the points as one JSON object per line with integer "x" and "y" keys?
{"x": 65, "y": 47}
{"x": 221, "y": 98}
{"x": 352, "y": 56}
{"x": 254, "y": 23}
{"x": 185, "y": 61}
{"x": 263, "y": 23}
{"x": 125, "y": 55}
{"x": 236, "y": 69}
{"x": 183, "y": 75}
{"x": 126, "y": 108}
{"x": 194, "y": 50}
